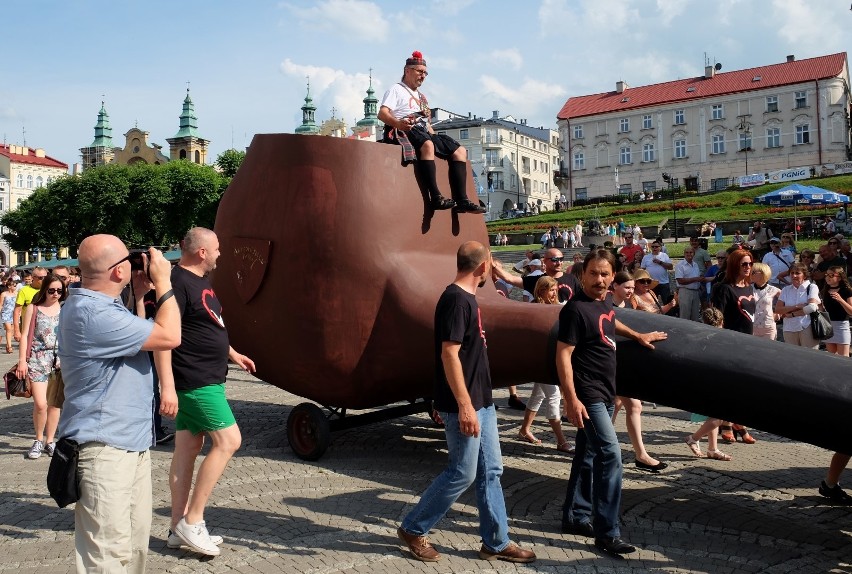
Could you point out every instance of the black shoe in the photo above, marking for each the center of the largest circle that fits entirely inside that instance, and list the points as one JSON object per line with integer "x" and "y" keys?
{"x": 614, "y": 546}
{"x": 578, "y": 529}
{"x": 441, "y": 202}
{"x": 467, "y": 206}
{"x": 164, "y": 436}
{"x": 651, "y": 467}
{"x": 516, "y": 403}
{"x": 835, "y": 494}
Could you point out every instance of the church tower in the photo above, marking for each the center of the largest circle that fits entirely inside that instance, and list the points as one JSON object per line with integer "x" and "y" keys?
{"x": 309, "y": 125}
{"x": 370, "y": 122}
{"x": 186, "y": 143}
{"x": 100, "y": 151}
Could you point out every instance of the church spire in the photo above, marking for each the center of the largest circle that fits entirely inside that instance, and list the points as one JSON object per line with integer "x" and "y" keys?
{"x": 103, "y": 131}
{"x": 371, "y": 108}
{"x": 309, "y": 125}
{"x": 188, "y": 120}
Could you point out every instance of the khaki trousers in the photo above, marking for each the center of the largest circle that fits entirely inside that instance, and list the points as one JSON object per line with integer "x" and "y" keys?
{"x": 112, "y": 519}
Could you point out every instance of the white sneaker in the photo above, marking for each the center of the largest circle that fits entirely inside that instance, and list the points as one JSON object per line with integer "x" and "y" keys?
{"x": 174, "y": 541}
{"x": 35, "y": 450}
{"x": 196, "y": 537}
{"x": 49, "y": 448}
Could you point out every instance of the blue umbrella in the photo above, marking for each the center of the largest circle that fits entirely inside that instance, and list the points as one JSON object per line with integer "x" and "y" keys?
{"x": 796, "y": 194}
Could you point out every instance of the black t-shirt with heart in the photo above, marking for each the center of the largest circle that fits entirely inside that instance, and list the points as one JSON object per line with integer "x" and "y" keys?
{"x": 736, "y": 304}
{"x": 202, "y": 357}
{"x": 589, "y": 326}
{"x": 457, "y": 319}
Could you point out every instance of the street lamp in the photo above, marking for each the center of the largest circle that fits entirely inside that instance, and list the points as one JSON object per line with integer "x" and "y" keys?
{"x": 669, "y": 180}
{"x": 745, "y": 144}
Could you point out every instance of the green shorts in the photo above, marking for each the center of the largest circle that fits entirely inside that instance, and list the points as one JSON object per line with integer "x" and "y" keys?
{"x": 204, "y": 409}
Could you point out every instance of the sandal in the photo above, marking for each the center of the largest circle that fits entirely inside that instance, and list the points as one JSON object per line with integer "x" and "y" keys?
{"x": 718, "y": 455}
{"x": 726, "y": 436}
{"x": 565, "y": 447}
{"x": 694, "y": 446}
{"x": 528, "y": 437}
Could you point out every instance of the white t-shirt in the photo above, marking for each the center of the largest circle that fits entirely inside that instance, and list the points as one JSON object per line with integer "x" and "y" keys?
{"x": 655, "y": 270}
{"x": 779, "y": 264}
{"x": 402, "y": 101}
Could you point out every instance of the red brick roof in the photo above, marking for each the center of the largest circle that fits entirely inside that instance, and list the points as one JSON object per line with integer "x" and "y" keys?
{"x": 30, "y": 158}
{"x": 734, "y": 82}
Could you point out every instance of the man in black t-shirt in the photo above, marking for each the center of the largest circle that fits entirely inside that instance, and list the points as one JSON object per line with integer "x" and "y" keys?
{"x": 552, "y": 260}
{"x": 463, "y": 400}
{"x": 196, "y": 372}
{"x": 585, "y": 361}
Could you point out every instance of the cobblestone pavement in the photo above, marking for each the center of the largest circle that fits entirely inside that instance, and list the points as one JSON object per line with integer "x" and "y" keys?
{"x": 759, "y": 513}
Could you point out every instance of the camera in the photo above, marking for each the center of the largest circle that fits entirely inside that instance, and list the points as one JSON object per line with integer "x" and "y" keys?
{"x": 137, "y": 263}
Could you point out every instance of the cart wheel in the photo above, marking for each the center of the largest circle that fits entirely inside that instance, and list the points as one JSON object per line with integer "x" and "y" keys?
{"x": 308, "y": 431}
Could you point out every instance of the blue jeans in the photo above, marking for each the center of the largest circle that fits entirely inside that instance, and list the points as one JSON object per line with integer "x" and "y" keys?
{"x": 594, "y": 486}
{"x": 470, "y": 459}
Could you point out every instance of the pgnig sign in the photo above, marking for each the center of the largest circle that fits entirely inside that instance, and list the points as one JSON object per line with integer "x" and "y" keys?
{"x": 789, "y": 174}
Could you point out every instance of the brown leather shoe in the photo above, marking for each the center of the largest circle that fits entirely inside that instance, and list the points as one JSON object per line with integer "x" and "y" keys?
{"x": 512, "y": 553}
{"x": 419, "y": 546}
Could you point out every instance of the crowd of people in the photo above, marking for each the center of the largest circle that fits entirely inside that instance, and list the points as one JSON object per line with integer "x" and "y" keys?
{"x": 762, "y": 286}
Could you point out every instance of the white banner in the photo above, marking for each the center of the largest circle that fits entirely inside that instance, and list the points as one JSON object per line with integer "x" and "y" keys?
{"x": 836, "y": 168}
{"x": 751, "y": 180}
{"x": 792, "y": 174}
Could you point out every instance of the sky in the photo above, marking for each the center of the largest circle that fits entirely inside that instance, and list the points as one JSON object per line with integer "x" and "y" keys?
{"x": 248, "y": 62}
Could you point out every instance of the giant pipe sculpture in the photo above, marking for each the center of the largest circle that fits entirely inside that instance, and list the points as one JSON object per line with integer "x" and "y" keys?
{"x": 329, "y": 275}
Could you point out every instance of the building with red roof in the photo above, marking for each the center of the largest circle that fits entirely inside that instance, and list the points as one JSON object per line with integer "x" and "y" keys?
{"x": 706, "y": 132}
{"x": 23, "y": 170}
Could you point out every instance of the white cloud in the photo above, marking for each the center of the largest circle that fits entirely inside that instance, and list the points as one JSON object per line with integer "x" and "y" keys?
{"x": 554, "y": 16}
{"x": 511, "y": 57}
{"x": 808, "y": 28}
{"x": 670, "y": 9}
{"x": 450, "y": 7}
{"x": 352, "y": 20}
{"x": 333, "y": 89}
{"x": 527, "y": 99}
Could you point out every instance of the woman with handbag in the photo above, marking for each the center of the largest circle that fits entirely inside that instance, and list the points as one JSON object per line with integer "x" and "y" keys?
{"x": 837, "y": 299}
{"x": 795, "y": 304}
{"x": 7, "y": 308}
{"x": 37, "y": 359}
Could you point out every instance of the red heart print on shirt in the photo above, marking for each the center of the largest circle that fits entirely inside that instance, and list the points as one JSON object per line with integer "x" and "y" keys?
{"x": 606, "y": 317}
{"x": 208, "y": 296}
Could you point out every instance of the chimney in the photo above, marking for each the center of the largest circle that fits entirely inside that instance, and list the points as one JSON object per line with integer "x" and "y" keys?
{"x": 791, "y": 58}
{"x": 495, "y": 114}
{"x": 39, "y": 152}
{"x": 709, "y": 72}
{"x": 25, "y": 150}
{"x": 620, "y": 86}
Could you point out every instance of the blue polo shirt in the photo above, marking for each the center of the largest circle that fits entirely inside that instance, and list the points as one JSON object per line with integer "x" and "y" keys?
{"x": 109, "y": 385}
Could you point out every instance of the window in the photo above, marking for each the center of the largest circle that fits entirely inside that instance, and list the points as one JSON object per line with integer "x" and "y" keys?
{"x": 544, "y": 188}
{"x": 29, "y": 182}
{"x": 649, "y": 187}
{"x": 624, "y": 155}
{"x": 581, "y": 193}
{"x": 680, "y": 149}
{"x": 773, "y": 137}
{"x": 512, "y": 181}
{"x": 745, "y": 141}
{"x": 39, "y": 182}
{"x": 717, "y": 112}
{"x": 718, "y": 144}
{"x": 514, "y": 158}
{"x": 803, "y": 134}
{"x": 647, "y": 123}
{"x": 491, "y": 136}
{"x": 464, "y": 134}
{"x": 625, "y": 189}
{"x": 579, "y": 160}
{"x": 544, "y": 167}
{"x": 624, "y": 125}
{"x": 771, "y": 103}
{"x": 601, "y": 127}
{"x": 648, "y": 152}
{"x": 801, "y": 100}
{"x": 492, "y": 158}
{"x": 578, "y": 132}
{"x": 603, "y": 157}
{"x": 679, "y": 117}
{"x": 535, "y": 187}
{"x": 533, "y": 144}
{"x": 1, "y": 204}
{"x": 19, "y": 181}
{"x": 719, "y": 184}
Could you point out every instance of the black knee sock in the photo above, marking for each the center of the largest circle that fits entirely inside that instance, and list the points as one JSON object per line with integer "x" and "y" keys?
{"x": 424, "y": 172}
{"x": 458, "y": 180}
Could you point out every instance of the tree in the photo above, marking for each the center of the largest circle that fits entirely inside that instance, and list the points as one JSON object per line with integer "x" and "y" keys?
{"x": 142, "y": 204}
{"x": 229, "y": 161}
